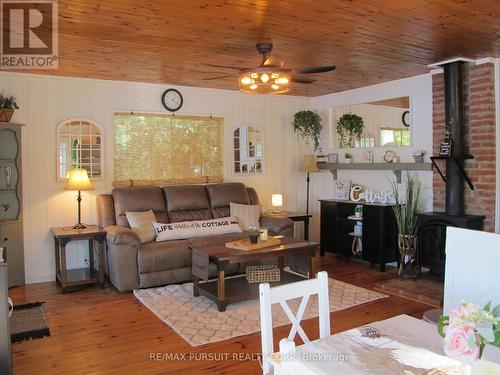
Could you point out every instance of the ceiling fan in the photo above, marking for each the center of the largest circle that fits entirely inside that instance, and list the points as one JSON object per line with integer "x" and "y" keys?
{"x": 271, "y": 76}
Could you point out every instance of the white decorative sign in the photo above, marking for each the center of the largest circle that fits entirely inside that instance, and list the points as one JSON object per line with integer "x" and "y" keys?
{"x": 370, "y": 196}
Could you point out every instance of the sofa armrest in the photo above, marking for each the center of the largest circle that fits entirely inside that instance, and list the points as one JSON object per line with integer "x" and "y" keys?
{"x": 277, "y": 225}
{"x": 123, "y": 248}
{"x": 116, "y": 235}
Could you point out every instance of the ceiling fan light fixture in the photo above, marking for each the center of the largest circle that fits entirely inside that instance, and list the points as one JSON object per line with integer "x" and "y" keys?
{"x": 246, "y": 80}
{"x": 264, "y": 82}
{"x": 282, "y": 80}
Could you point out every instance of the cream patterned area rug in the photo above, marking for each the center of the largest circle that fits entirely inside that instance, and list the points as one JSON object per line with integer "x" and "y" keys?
{"x": 197, "y": 320}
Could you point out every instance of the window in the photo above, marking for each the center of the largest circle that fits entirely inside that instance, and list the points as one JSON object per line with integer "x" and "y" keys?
{"x": 79, "y": 145}
{"x": 162, "y": 149}
{"x": 394, "y": 137}
{"x": 248, "y": 150}
{"x": 366, "y": 140}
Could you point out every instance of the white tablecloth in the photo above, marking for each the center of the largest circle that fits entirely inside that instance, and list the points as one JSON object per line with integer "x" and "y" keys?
{"x": 406, "y": 346}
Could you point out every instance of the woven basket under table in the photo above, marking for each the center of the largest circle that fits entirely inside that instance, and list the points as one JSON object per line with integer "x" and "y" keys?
{"x": 262, "y": 274}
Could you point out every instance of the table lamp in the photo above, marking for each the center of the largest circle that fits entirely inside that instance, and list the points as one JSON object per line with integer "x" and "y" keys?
{"x": 308, "y": 165}
{"x": 79, "y": 180}
{"x": 277, "y": 202}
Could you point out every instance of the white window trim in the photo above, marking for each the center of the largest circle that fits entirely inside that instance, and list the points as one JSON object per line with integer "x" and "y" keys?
{"x": 241, "y": 174}
{"x": 83, "y": 119}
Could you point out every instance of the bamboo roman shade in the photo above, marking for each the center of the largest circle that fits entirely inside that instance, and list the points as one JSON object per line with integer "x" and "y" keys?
{"x": 163, "y": 149}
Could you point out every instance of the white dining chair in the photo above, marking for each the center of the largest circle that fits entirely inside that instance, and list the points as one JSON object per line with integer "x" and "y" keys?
{"x": 281, "y": 294}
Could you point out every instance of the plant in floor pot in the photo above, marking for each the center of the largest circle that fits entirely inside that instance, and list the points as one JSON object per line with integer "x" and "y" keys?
{"x": 406, "y": 208}
{"x": 7, "y": 107}
{"x": 254, "y": 234}
{"x": 349, "y": 127}
{"x": 308, "y": 125}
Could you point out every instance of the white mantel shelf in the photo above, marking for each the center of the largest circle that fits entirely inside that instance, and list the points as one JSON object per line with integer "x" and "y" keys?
{"x": 395, "y": 167}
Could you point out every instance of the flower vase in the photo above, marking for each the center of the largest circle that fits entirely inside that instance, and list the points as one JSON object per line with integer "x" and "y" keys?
{"x": 407, "y": 244}
{"x": 419, "y": 159}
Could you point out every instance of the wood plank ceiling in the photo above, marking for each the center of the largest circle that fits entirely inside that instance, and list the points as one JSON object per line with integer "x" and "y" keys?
{"x": 167, "y": 41}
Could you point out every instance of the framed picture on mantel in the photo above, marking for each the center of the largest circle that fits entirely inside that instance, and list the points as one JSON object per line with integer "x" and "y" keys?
{"x": 342, "y": 189}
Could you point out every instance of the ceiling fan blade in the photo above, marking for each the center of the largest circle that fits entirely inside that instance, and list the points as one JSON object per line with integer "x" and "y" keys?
{"x": 302, "y": 80}
{"x": 219, "y": 77}
{"x": 315, "y": 69}
{"x": 225, "y": 66}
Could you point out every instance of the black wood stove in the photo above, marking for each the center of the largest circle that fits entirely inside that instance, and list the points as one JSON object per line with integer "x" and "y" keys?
{"x": 431, "y": 226}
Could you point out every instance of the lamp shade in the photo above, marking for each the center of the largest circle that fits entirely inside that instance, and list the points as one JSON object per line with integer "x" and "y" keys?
{"x": 309, "y": 164}
{"x": 78, "y": 180}
{"x": 277, "y": 200}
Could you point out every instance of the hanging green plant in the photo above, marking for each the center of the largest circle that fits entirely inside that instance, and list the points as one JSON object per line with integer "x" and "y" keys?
{"x": 349, "y": 126}
{"x": 308, "y": 125}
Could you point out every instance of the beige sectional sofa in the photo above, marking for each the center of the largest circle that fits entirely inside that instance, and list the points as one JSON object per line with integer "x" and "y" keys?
{"x": 134, "y": 265}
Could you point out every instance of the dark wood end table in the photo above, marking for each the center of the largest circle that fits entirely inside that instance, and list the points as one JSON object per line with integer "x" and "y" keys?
{"x": 224, "y": 291}
{"x": 296, "y": 216}
{"x": 80, "y": 276}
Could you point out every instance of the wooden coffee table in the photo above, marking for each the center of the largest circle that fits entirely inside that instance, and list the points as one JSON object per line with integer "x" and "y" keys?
{"x": 226, "y": 290}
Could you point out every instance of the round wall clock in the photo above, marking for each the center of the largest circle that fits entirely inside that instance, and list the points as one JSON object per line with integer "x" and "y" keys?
{"x": 172, "y": 100}
{"x": 389, "y": 156}
{"x": 405, "y": 119}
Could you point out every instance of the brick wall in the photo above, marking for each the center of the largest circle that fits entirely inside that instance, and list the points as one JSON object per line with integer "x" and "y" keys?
{"x": 479, "y": 140}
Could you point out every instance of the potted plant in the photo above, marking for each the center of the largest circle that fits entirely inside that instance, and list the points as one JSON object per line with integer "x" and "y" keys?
{"x": 254, "y": 233}
{"x": 348, "y": 157}
{"x": 466, "y": 332}
{"x": 418, "y": 156}
{"x": 308, "y": 125}
{"x": 406, "y": 209}
{"x": 349, "y": 127}
{"x": 7, "y": 107}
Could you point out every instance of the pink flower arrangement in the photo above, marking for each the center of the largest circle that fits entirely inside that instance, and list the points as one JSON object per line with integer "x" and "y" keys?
{"x": 467, "y": 330}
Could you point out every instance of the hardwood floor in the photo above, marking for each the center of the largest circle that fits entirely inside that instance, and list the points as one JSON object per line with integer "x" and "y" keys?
{"x": 106, "y": 332}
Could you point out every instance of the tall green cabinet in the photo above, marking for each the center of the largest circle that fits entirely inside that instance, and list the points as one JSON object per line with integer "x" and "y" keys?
{"x": 11, "y": 232}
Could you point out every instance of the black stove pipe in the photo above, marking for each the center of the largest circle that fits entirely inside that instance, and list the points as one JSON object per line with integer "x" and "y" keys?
{"x": 454, "y": 124}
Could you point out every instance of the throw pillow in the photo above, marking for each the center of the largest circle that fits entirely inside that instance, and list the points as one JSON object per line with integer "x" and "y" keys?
{"x": 196, "y": 228}
{"x": 247, "y": 215}
{"x": 142, "y": 224}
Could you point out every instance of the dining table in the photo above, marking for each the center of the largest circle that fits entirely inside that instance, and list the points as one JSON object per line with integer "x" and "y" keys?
{"x": 399, "y": 345}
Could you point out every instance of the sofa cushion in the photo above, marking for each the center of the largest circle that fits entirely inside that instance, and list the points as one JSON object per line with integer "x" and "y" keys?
{"x": 142, "y": 224}
{"x": 193, "y": 228}
{"x": 185, "y": 203}
{"x": 247, "y": 214}
{"x": 137, "y": 199}
{"x": 161, "y": 256}
{"x": 221, "y": 195}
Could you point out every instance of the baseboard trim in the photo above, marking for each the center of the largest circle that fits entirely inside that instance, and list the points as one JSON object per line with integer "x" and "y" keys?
{"x": 40, "y": 279}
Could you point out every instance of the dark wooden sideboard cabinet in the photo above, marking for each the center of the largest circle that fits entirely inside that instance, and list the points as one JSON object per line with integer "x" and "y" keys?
{"x": 379, "y": 236}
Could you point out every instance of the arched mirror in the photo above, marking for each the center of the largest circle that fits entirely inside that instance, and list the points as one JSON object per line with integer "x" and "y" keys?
{"x": 79, "y": 145}
{"x": 248, "y": 144}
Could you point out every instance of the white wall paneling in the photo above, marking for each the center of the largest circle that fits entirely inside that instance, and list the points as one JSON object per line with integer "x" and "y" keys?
{"x": 45, "y": 101}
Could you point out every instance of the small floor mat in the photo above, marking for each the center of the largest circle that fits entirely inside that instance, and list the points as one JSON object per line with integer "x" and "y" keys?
{"x": 28, "y": 322}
